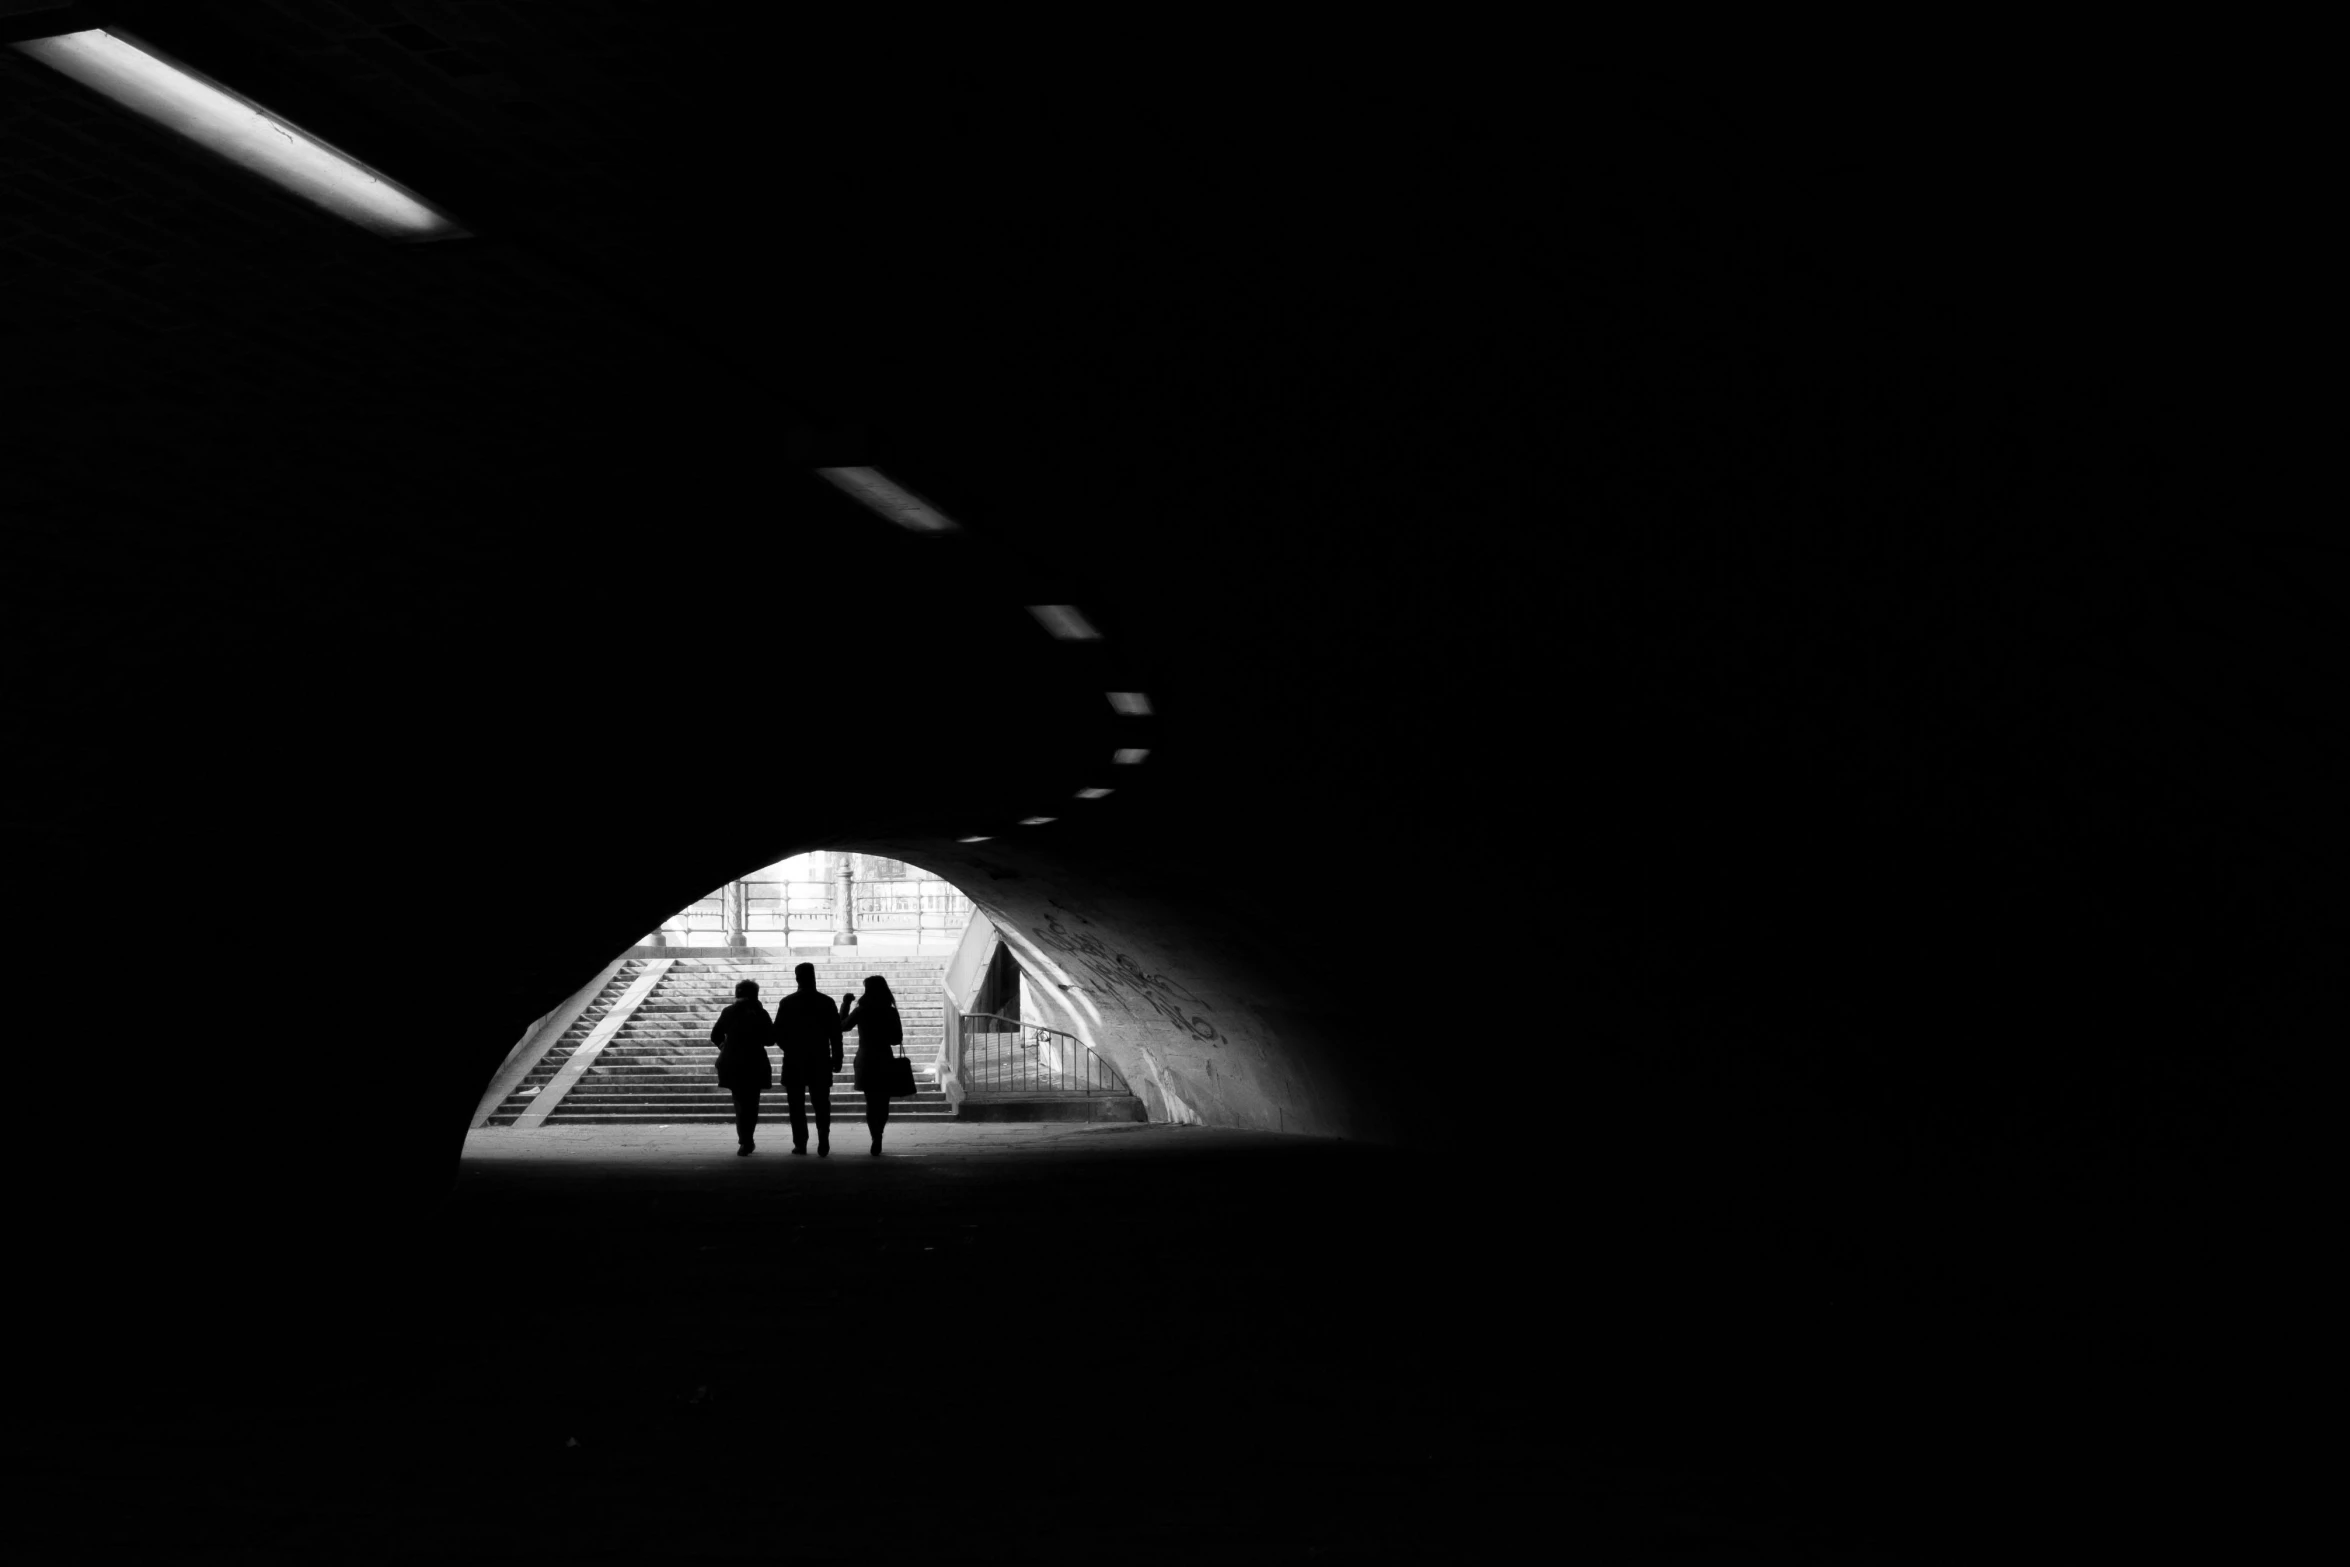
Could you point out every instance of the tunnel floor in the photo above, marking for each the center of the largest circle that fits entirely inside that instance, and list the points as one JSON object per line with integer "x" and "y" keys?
{"x": 1029, "y": 1343}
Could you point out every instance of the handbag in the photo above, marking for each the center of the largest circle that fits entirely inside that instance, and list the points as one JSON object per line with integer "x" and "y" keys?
{"x": 901, "y": 1076}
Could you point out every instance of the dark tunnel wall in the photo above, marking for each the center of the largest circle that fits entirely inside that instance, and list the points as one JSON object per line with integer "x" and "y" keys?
{"x": 1793, "y": 567}
{"x": 1190, "y": 992}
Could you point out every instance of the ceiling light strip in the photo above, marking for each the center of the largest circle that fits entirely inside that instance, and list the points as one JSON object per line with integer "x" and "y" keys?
{"x": 1064, "y": 622}
{"x": 240, "y": 130}
{"x": 892, "y": 500}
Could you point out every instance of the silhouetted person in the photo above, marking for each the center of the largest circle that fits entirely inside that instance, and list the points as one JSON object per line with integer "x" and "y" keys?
{"x": 808, "y": 1029}
{"x": 875, "y": 1017}
{"x": 742, "y": 1034}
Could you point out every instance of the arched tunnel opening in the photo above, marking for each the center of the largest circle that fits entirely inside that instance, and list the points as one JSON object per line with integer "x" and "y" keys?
{"x": 994, "y": 1026}
{"x": 1845, "y": 1082}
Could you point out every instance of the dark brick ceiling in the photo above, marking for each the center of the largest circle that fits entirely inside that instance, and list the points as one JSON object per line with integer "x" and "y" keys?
{"x": 1184, "y": 325}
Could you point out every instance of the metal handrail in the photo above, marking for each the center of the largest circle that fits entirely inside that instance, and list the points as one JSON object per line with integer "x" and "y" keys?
{"x": 997, "y": 1055}
{"x": 921, "y": 906}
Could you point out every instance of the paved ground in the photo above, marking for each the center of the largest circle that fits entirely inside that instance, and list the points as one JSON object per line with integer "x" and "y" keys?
{"x": 1030, "y": 1343}
{"x": 633, "y": 1146}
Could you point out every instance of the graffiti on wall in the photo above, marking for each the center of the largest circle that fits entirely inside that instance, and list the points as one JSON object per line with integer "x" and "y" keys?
{"x": 1117, "y": 975}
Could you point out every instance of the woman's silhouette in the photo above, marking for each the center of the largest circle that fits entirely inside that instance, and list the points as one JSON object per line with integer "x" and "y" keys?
{"x": 875, "y": 1017}
{"x": 742, "y": 1034}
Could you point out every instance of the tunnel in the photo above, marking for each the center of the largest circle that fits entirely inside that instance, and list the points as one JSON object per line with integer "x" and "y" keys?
{"x": 1684, "y": 741}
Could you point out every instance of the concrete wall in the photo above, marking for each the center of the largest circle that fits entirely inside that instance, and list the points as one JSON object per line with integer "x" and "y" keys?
{"x": 1199, "y": 1018}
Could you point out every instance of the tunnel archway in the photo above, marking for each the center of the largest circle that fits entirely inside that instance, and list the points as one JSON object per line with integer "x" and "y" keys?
{"x": 1195, "y": 1026}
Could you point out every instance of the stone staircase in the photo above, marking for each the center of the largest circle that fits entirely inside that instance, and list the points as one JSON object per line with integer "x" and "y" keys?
{"x": 543, "y": 1072}
{"x": 661, "y": 1066}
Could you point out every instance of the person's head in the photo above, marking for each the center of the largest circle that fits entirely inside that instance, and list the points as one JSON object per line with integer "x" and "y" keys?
{"x": 877, "y": 989}
{"x": 805, "y": 973}
{"x": 746, "y": 990}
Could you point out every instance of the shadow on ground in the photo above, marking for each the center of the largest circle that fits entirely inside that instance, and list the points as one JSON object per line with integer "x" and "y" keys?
{"x": 1045, "y": 1344}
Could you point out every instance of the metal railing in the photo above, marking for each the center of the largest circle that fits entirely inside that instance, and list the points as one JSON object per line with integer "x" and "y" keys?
{"x": 921, "y": 908}
{"x": 998, "y": 1057}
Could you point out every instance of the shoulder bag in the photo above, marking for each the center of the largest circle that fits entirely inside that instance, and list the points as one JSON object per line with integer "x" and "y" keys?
{"x": 901, "y": 1071}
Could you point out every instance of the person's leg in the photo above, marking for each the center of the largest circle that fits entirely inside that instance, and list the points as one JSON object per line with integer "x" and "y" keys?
{"x": 746, "y": 1116}
{"x": 821, "y": 1091}
{"x": 797, "y": 1094}
{"x": 876, "y": 1113}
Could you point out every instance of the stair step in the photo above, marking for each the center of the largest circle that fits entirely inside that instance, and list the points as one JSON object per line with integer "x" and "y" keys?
{"x": 692, "y": 1082}
{"x": 672, "y": 1007}
{"x": 721, "y": 1108}
{"x": 725, "y": 1112}
{"x": 773, "y": 1098}
{"x": 631, "y": 1118}
{"x": 681, "y": 1020}
{"x": 655, "y": 1061}
{"x": 699, "y": 1019}
{"x": 840, "y": 1081}
{"x": 720, "y": 1104}
{"x": 659, "y": 1065}
{"x": 698, "y": 1043}
{"x": 654, "y": 1048}
{"x": 691, "y": 1049}
{"x": 900, "y": 1110}
{"x": 724, "y": 988}
{"x": 608, "y": 1086}
{"x": 685, "y": 1056}
{"x": 937, "y": 960}
{"x": 704, "y": 1062}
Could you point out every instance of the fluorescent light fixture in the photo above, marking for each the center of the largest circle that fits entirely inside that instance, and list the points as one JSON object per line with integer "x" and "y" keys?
{"x": 1063, "y": 621}
{"x": 1129, "y": 756}
{"x": 240, "y": 130}
{"x": 1091, "y": 794}
{"x": 892, "y": 499}
{"x": 1133, "y": 703}
{"x": 982, "y": 838}
{"x": 1037, "y": 821}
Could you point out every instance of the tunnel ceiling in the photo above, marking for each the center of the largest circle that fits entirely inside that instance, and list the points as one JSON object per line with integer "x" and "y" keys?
{"x": 1425, "y": 454}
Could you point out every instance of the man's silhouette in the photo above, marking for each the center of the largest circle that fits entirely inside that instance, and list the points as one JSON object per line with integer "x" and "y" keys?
{"x": 808, "y": 1028}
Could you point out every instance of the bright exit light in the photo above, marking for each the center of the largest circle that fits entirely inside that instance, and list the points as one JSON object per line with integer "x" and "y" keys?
{"x": 240, "y": 130}
{"x": 1092, "y": 794}
{"x": 892, "y": 499}
{"x": 1036, "y": 821}
{"x": 982, "y": 838}
{"x": 1133, "y": 703}
{"x": 1063, "y": 621}
{"x": 1130, "y": 756}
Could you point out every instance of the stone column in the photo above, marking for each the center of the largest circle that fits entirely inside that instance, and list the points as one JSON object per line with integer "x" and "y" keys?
{"x": 737, "y": 907}
{"x": 846, "y": 936}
